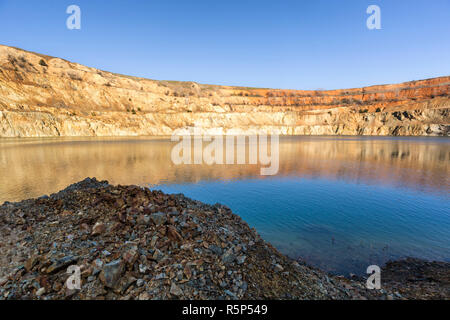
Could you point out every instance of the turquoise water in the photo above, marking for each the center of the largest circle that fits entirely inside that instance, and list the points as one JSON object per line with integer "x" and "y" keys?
{"x": 338, "y": 226}
{"x": 339, "y": 203}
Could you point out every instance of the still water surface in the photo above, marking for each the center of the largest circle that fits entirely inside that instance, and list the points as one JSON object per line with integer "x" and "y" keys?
{"x": 338, "y": 203}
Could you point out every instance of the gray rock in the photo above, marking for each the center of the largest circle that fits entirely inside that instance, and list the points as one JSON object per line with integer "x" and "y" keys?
{"x": 228, "y": 256}
{"x": 217, "y": 250}
{"x": 111, "y": 273}
{"x": 241, "y": 259}
{"x": 158, "y": 218}
{"x": 175, "y": 290}
{"x": 160, "y": 276}
{"x": 231, "y": 294}
{"x": 174, "y": 212}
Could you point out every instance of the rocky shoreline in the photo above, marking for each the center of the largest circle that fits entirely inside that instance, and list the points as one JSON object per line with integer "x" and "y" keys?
{"x": 135, "y": 243}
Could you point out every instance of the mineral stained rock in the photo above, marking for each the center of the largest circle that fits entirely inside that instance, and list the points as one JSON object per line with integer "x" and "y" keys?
{"x": 196, "y": 251}
{"x": 43, "y": 96}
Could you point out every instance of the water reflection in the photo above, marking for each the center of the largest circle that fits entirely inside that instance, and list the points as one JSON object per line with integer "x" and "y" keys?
{"x": 31, "y": 168}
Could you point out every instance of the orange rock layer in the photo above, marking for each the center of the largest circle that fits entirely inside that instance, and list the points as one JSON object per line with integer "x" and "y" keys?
{"x": 42, "y": 96}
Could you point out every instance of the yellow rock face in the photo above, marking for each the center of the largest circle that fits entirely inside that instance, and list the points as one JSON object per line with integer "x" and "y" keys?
{"x": 42, "y": 96}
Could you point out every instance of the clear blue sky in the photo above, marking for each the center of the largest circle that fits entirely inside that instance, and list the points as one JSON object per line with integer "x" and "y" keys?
{"x": 278, "y": 44}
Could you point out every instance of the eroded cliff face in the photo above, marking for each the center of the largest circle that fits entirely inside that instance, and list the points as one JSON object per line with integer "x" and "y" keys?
{"x": 42, "y": 96}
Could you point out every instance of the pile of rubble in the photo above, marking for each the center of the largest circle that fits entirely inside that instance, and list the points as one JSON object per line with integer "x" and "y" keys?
{"x": 133, "y": 243}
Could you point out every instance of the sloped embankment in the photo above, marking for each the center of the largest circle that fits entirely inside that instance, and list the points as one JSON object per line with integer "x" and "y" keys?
{"x": 134, "y": 243}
